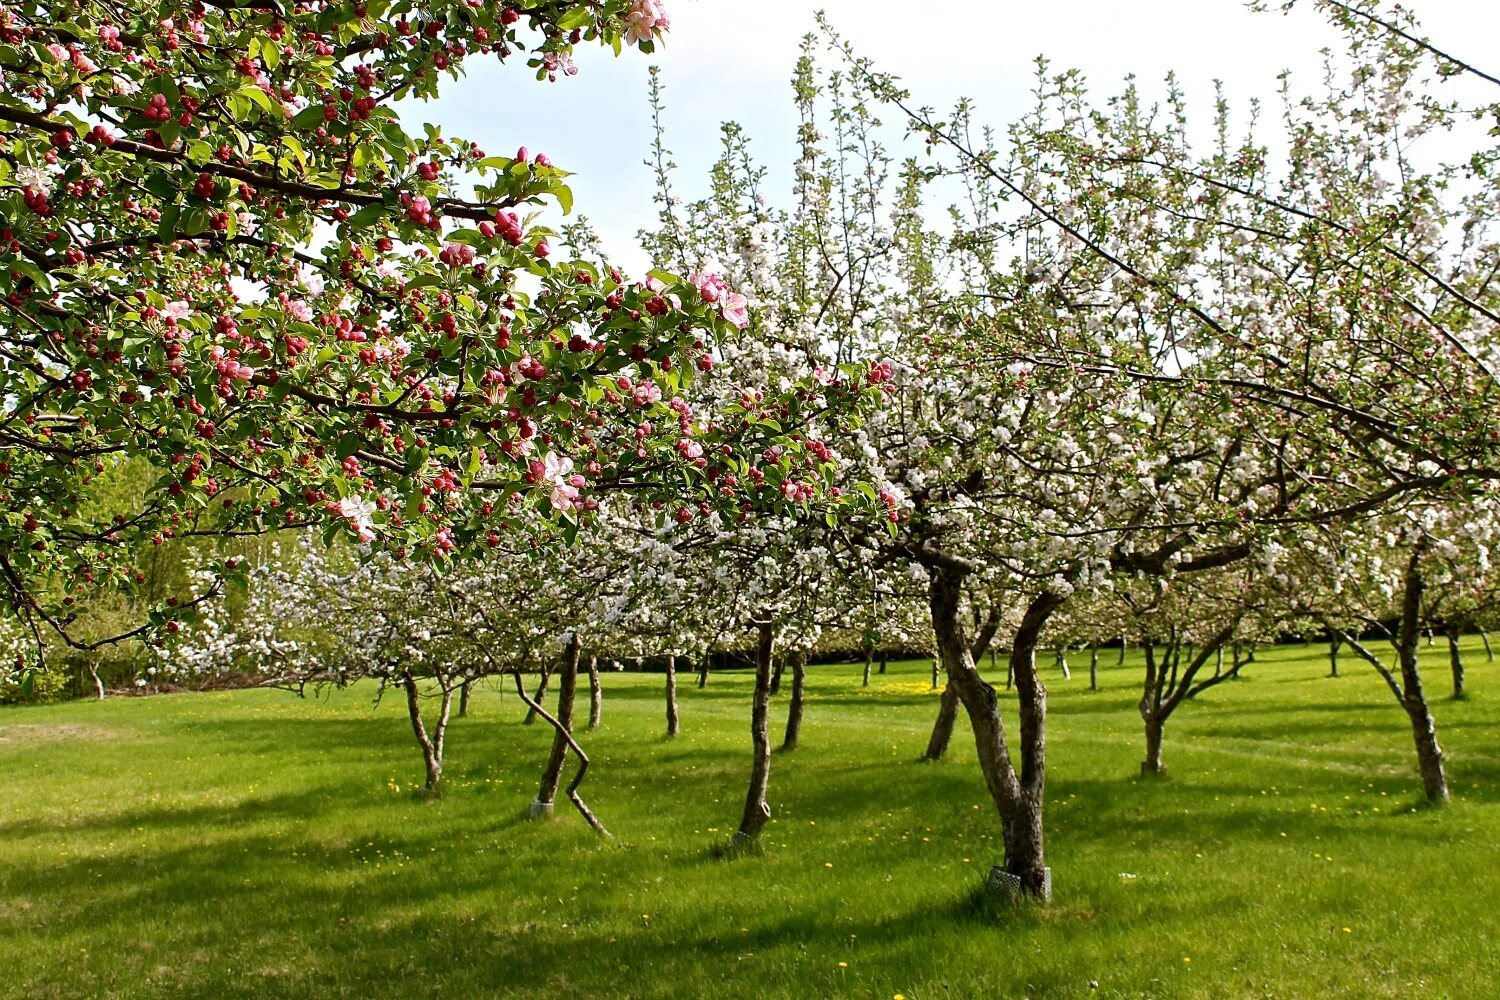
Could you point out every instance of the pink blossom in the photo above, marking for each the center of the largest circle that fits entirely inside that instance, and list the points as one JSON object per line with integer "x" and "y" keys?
{"x": 644, "y": 21}
{"x": 299, "y": 310}
{"x": 710, "y": 286}
{"x": 58, "y": 52}
{"x": 555, "y": 468}
{"x": 358, "y": 511}
{"x": 564, "y": 497}
{"x": 689, "y": 448}
{"x": 177, "y": 310}
{"x": 736, "y": 310}
{"x": 457, "y": 254}
{"x": 823, "y": 376}
{"x": 646, "y": 393}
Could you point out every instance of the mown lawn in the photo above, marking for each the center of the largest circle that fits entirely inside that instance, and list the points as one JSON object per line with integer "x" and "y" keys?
{"x": 251, "y": 844}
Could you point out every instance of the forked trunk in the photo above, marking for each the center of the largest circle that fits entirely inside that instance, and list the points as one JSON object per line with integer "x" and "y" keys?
{"x": 799, "y": 696}
{"x": 431, "y": 743}
{"x": 1062, "y": 663}
{"x": 94, "y": 675}
{"x": 1455, "y": 662}
{"x": 596, "y": 693}
{"x": 674, "y": 722}
{"x": 567, "y": 688}
{"x": 942, "y": 729}
{"x": 757, "y": 809}
{"x": 1018, "y": 797}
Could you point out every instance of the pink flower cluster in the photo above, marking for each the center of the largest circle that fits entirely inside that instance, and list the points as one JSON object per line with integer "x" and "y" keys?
{"x": 457, "y": 254}
{"x": 645, "y": 20}
{"x": 733, "y": 306}
{"x": 798, "y": 492}
{"x": 558, "y": 473}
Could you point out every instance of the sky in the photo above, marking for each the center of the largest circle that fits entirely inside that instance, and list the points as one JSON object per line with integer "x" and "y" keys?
{"x": 733, "y": 59}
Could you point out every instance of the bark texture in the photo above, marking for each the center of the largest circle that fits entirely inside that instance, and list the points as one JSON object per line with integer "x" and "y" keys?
{"x": 674, "y": 721}
{"x": 1017, "y": 795}
{"x": 1455, "y": 661}
{"x": 1169, "y": 683}
{"x": 537, "y": 698}
{"x": 567, "y": 689}
{"x": 431, "y": 743}
{"x": 757, "y": 809}
{"x": 942, "y": 729}
{"x": 596, "y": 694}
{"x": 798, "y": 700}
{"x": 1406, "y": 682}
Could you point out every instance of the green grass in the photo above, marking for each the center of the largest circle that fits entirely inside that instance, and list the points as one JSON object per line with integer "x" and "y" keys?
{"x": 250, "y": 844}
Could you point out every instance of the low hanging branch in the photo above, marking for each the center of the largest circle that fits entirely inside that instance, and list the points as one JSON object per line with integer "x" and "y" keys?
{"x": 583, "y": 758}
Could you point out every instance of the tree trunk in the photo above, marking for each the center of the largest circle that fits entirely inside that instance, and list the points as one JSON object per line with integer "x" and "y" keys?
{"x": 757, "y": 809}
{"x": 1155, "y": 726}
{"x": 942, "y": 729}
{"x": 1333, "y": 656}
{"x": 1455, "y": 662}
{"x": 1093, "y": 667}
{"x": 1123, "y": 647}
{"x": 936, "y": 666}
{"x": 432, "y": 745}
{"x": 596, "y": 693}
{"x": 1424, "y": 729}
{"x": 1018, "y": 797}
{"x": 1489, "y": 654}
{"x": 94, "y": 675}
{"x": 463, "y": 698}
{"x": 1062, "y": 662}
{"x": 882, "y": 664}
{"x": 776, "y": 675}
{"x": 674, "y": 723}
{"x": 992, "y": 659}
{"x": 703, "y": 670}
{"x": 541, "y": 692}
{"x": 567, "y": 688}
{"x": 799, "y": 695}
{"x": 865, "y": 680}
